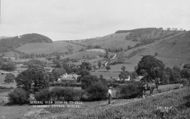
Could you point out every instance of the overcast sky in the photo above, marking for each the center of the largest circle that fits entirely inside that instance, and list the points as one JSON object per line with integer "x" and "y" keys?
{"x": 78, "y": 19}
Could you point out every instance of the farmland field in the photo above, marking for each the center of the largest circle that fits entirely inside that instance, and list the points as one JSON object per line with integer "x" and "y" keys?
{"x": 128, "y": 108}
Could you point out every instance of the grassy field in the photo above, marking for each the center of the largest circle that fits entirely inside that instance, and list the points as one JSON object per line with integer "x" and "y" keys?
{"x": 130, "y": 108}
{"x": 47, "y": 48}
{"x": 135, "y": 109}
{"x": 119, "y": 109}
{"x": 148, "y": 108}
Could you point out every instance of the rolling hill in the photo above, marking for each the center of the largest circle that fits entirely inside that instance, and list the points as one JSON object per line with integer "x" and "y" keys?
{"x": 48, "y": 48}
{"x": 171, "y": 46}
{"x": 10, "y": 43}
{"x": 173, "y": 50}
{"x": 126, "y": 39}
{"x": 34, "y": 44}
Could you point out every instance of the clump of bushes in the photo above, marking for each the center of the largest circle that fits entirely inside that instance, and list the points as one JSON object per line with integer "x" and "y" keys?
{"x": 9, "y": 78}
{"x": 18, "y": 96}
{"x": 43, "y": 95}
{"x": 59, "y": 94}
{"x": 94, "y": 88}
{"x": 71, "y": 94}
{"x": 96, "y": 91}
{"x": 131, "y": 90}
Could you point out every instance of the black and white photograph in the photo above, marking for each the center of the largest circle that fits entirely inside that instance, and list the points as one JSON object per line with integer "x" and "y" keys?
{"x": 94, "y": 59}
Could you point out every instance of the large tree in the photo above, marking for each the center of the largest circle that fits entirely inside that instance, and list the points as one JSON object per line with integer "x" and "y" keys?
{"x": 150, "y": 67}
{"x": 33, "y": 79}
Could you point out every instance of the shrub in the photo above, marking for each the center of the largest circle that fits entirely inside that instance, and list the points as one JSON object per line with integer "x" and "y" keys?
{"x": 57, "y": 92}
{"x": 9, "y": 78}
{"x": 60, "y": 94}
{"x": 43, "y": 95}
{"x": 18, "y": 96}
{"x": 87, "y": 80}
{"x": 130, "y": 90}
{"x": 95, "y": 88}
{"x": 97, "y": 91}
{"x": 71, "y": 94}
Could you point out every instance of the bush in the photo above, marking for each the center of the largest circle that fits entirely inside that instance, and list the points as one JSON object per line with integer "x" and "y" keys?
{"x": 43, "y": 95}
{"x": 59, "y": 94}
{"x": 131, "y": 90}
{"x": 18, "y": 96}
{"x": 95, "y": 88}
{"x": 97, "y": 91}
{"x": 71, "y": 94}
{"x": 87, "y": 80}
{"x": 9, "y": 78}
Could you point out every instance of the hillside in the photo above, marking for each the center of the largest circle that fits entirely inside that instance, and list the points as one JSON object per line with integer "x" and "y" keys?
{"x": 10, "y": 43}
{"x": 173, "y": 50}
{"x": 170, "y": 46}
{"x": 48, "y": 48}
{"x": 127, "y": 39}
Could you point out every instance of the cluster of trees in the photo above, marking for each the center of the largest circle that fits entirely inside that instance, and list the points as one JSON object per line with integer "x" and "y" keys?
{"x": 7, "y": 65}
{"x": 131, "y": 90}
{"x": 9, "y": 78}
{"x": 95, "y": 88}
{"x": 152, "y": 68}
{"x": 36, "y": 80}
{"x": 32, "y": 80}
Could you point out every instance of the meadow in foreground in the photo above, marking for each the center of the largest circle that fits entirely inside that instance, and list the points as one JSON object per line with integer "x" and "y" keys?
{"x": 168, "y": 105}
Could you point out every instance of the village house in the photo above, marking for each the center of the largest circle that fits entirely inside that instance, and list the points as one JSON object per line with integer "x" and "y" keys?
{"x": 68, "y": 77}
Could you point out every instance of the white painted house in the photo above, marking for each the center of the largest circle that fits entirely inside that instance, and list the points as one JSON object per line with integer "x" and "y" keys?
{"x": 68, "y": 77}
